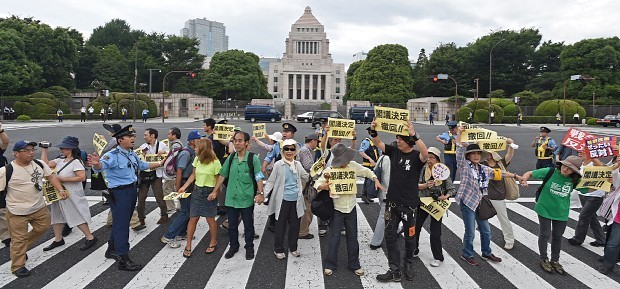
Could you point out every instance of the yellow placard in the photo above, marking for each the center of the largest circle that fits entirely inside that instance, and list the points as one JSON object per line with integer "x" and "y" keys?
{"x": 318, "y": 166}
{"x": 478, "y": 134}
{"x": 223, "y": 132}
{"x": 342, "y": 181}
{"x": 99, "y": 143}
{"x": 435, "y": 208}
{"x": 493, "y": 145}
{"x": 259, "y": 130}
{"x": 340, "y": 128}
{"x": 166, "y": 142}
{"x": 392, "y": 120}
{"x": 175, "y": 195}
{"x": 50, "y": 193}
{"x": 595, "y": 177}
{"x": 154, "y": 158}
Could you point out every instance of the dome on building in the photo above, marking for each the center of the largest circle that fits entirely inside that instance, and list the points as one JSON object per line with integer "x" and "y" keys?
{"x": 307, "y": 18}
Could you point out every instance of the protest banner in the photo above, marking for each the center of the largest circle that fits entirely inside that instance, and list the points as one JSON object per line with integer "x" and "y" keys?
{"x": 154, "y": 158}
{"x": 318, "y": 166}
{"x": 478, "y": 134}
{"x": 576, "y": 139}
{"x": 99, "y": 143}
{"x": 259, "y": 130}
{"x": 495, "y": 145}
{"x": 434, "y": 208}
{"x": 600, "y": 147}
{"x": 440, "y": 172}
{"x": 596, "y": 177}
{"x": 166, "y": 142}
{"x": 50, "y": 193}
{"x": 392, "y": 120}
{"x": 342, "y": 181}
{"x": 175, "y": 195}
{"x": 223, "y": 132}
{"x": 340, "y": 128}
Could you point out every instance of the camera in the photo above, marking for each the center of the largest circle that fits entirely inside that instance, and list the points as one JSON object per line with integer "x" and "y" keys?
{"x": 45, "y": 144}
{"x": 435, "y": 196}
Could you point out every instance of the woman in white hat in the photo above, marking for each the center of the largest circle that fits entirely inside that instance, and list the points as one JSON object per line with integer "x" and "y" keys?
{"x": 272, "y": 139}
{"x": 439, "y": 190}
{"x": 287, "y": 201}
{"x": 553, "y": 206}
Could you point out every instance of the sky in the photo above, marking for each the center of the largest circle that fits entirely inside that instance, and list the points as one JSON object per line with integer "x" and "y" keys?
{"x": 261, "y": 26}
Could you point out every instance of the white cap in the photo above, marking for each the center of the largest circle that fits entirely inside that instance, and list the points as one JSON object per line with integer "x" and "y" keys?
{"x": 276, "y": 136}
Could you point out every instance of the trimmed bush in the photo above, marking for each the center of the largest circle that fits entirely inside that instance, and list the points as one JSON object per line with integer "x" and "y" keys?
{"x": 499, "y": 113}
{"x": 478, "y": 104}
{"x": 481, "y": 115}
{"x": 23, "y": 117}
{"x": 591, "y": 120}
{"x": 552, "y": 107}
{"x": 58, "y": 92}
{"x": 531, "y": 119}
{"x": 511, "y": 110}
{"x": 502, "y": 102}
{"x": 41, "y": 95}
{"x": 463, "y": 113}
{"x": 324, "y": 106}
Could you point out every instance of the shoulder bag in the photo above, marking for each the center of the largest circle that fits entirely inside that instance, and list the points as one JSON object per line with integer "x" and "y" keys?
{"x": 512, "y": 189}
{"x": 485, "y": 209}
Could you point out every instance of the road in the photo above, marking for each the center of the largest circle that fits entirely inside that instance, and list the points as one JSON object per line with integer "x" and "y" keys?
{"x": 67, "y": 267}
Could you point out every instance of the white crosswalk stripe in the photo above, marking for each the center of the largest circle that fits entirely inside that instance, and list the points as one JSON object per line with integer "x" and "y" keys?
{"x": 519, "y": 267}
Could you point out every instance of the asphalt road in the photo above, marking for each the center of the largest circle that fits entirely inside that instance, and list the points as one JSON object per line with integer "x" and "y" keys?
{"x": 67, "y": 267}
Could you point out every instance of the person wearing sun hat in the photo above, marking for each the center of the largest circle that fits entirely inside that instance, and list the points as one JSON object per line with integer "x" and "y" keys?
{"x": 474, "y": 186}
{"x": 74, "y": 211}
{"x": 345, "y": 211}
{"x": 553, "y": 207}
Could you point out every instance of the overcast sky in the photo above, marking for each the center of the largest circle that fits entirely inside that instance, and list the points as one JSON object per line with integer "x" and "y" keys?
{"x": 261, "y": 26}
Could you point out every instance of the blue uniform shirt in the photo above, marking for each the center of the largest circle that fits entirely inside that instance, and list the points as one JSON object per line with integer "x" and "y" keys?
{"x": 119, "y": 166}
{"x": 364, "y": 145}
{"x": 271, "y": 155}
{"x": 446, "y": 136}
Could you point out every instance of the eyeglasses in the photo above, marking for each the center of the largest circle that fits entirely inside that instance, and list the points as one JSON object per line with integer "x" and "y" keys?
{"x": 27, "y": 150}
{"x": 289, "y": 149}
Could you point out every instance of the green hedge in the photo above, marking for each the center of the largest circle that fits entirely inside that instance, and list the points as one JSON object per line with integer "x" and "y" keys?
{"x": 511, "y": 110}
{"x": 23, "y": 118}
{"x": 481, "y": 115}
{"x": 552, "y": 107}
{"x": 463, "y": 113}
{"x": 531, "y": 119}
{"x": 591, "y": 120}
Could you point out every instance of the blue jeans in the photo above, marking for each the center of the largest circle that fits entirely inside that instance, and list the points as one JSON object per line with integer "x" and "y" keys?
{"x": 179, "y": 226}
{"x": 353, "y": 247}
{"x": 470, "y": 220}
{"x": 612, "y": 248}
{"x": 122, "y": 208}
{"x": 247, "y": 215}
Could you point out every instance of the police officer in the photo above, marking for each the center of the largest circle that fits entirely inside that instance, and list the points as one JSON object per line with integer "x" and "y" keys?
{"x": 545, "y": 146}
{"x": 121, "y": 166}
{"x": 448, "y": 139}
{"x": 370, "y": 154}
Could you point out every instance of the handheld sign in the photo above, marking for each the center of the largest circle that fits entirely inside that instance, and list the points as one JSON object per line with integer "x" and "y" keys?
{"x": 166, "y": 142}
{"x": 478, "y": 134}
{"x": 223, "y": 132}
{"x": 392, "y": 120}
{"x": 601, "y": 147}
{"x": 175, "y": 195}
{"x": 340, "y": 128}
{"x": 259, "y": 130}
{"x": 342, "y": 181}
{"x": 99, "y": 143}
{"x": 154, "y": 158}
{"x": 440, "y": 172}
{"x": 493, "y": 145}
{"x": 576, "y": 139}
{"x": 595, "y": 177}
{"x": 50, "y": 193}
{"x": 318, "y": 166}
{"x": 434, "y": 208}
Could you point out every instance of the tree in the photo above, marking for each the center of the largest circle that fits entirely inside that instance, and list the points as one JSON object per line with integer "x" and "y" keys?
{"x": 87, "y": 58}
{"x": 385, "y": 76}
{"x": 117, "y": 32}
{"x": 111, "y": 68}
{"x": 421, "y": 82}
{"x": 350, "y": 73}
{"x": 598, "y": 58}
{"x": 18, "y": 75}
{"x": 447, "y": 58}
{"x": 234, "y": 74}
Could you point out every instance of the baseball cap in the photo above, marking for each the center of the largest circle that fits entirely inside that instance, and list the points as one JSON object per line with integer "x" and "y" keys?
{"x": 22, "y": 144}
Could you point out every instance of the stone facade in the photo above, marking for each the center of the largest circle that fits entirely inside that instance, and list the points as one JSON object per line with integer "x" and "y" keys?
{"x": 307, "y": 72}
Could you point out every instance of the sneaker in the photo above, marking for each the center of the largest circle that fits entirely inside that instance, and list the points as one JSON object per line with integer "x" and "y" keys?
{"x": 328, "y": 272}
{"x": 22, "y": 272}
{"x": 557, "y": 267}
{"x": 470, "y": 261}
{"x": 604, "y": 270}
{"x": 389, "y": 276}
{"x": 166, "y": 240}
{"x": 373, "y": 247}
{"x": 416, "y": 252}
{"x": 574, "y": 242}
{"x": 546, "y": 265}
{"x": 509, "y": 246}
{"x": 359, "y": 272}
{"x": 492, "y": 258}
{"x": 295, "y": 254}
{"x": 597, "y": 244}
{"x": 436, "y": 263}
{"x": 280, "y": 256}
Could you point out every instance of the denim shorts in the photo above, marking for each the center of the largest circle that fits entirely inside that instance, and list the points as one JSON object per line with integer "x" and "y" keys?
{"x": 200, "y": 205}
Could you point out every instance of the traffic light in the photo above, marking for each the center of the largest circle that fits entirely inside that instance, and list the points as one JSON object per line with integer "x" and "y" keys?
{"x": 191, "y": 74}
{"x": 433, "y": 78}
{"x": 102, "y": 92}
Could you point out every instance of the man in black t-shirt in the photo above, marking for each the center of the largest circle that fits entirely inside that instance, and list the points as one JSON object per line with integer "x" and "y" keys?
{"x": 402, "y": 198}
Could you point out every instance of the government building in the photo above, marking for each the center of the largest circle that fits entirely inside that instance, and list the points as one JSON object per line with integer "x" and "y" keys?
{"x": 306, "y": 73}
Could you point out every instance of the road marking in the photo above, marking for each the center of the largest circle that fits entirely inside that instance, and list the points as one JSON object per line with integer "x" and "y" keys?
{"x": 303, "y": 272}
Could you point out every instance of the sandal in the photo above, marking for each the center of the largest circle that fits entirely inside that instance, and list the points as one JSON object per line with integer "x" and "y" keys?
{"x": 211, "y": 249}
{"x": 187, "y": 253}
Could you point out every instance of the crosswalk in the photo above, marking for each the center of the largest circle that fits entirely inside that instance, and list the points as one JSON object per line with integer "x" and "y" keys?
{"x": 165, "y": 267}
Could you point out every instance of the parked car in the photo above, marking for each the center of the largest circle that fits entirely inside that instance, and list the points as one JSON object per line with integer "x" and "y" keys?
{"x": 362, "y": 114}
{"x": 262, "y": 113}
{"x": 318, "y": 114}
{"x": 305, "y": 117}
{"x": 608, "y": 120}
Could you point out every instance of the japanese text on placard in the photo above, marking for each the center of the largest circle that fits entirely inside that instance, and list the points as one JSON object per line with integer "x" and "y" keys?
{"x": 342, "y": 181}
{"x": 601, "y": 147}
{"x": 392, "y": 120}
{"x": 478, "y": 134}
{"x": 576, "y": 139}
{"x": 596, "y": 177}
{"x": 223, "y": 132}
{"x": 99, "y": 143}
{"x": 493, "y": 145}
{"x": 434, "y": 208}
{"x": 259, "y": 130}
{"x": 341, "y": 128}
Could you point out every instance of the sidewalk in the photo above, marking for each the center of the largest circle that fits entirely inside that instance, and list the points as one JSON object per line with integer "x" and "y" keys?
{"x": 599, "y": 130}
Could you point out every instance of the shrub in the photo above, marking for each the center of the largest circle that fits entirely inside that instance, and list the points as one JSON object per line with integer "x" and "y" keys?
{"x": 511, "y": 110}
{"x": 58, "y": 92}
{"x": 552, "y": 107}
{"x": 502, "y": 102}
{"x": 324, "y": 106}
{"x": 499, "y": 113}
{"x": 463, "y": 113}
{"x": 531, "y": 119}
{"x": 481, "y": 115}
{"x": 23, "y": 117}
{"x": 41, "y": 95}
{"x": 591, "y": 121}
{"x": 478, "y": 104}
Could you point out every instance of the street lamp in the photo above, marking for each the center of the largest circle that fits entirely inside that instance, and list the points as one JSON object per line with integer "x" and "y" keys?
{"x": 477, "y": 80}
{"x": 490, "y": 76}
{"x": 580, "y": 77}
{"x": 163, "y": 89}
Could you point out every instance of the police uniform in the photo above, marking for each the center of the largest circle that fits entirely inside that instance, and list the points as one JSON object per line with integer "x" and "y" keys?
{"x": 370, "y": 149}
{"x": 449, "y": 149}
{"x": 121, "y": 168}
{"x": 544, "y": 150}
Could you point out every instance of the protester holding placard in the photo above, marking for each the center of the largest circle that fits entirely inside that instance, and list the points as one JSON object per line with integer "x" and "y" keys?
{"x": 591, "y": 200}
{"x": 271, "y": 138}
{"x": 286, "y": 184}
{"x": 545, "y": 146}
{"x": 472, "y": 191}
{"x": 402, "y": 197}
{"x": 439, "y": 190}
{"x": 152, "y": 179}
{"x": 346, "y": 212}
{"x": 74, "y": 211}
{"x": 497, "y": 192}
{"x": 553, "y": 206}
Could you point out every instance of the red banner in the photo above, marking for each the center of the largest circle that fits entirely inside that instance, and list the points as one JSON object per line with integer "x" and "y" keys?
{"x": 576, "y": 139}
{"x": 601, "y": 147}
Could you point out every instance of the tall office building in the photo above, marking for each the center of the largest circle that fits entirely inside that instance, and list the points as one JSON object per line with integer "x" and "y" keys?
{"x": 307, "y": 72}
{"x": 211, "y": 34}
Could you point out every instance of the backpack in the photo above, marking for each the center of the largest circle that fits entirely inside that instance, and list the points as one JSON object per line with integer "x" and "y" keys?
{"x": 369, "y": 184}
{"x": 7, "y": 177}
{"x": 250, "y": 165}
{"x": 171, "y": 162}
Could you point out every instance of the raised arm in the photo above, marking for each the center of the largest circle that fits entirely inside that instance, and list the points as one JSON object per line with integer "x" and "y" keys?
{"x": 375, "y": 137}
